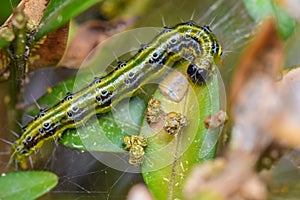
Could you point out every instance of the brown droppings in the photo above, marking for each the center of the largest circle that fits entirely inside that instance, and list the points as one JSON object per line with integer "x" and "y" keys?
{"x": 215, "y": 120}
{"x": 174, "y": 123}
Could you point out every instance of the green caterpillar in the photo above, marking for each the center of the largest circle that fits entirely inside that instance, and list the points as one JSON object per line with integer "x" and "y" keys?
{"x": 188, "y": 41}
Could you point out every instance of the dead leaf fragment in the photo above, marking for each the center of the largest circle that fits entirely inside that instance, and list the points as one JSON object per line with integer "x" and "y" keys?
{"x": 89, "y": 35}
{"x": 34, "y": 10}
{"x": 49, "y": 51}
{"x": 264, "y": 55}
{"x": 174, "y": 86}
{"x": 286, "y": 126}
{"x": 138, "y": 192}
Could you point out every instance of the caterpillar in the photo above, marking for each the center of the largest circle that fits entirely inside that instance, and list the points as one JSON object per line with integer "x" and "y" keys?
{"x": 188, "y": 41}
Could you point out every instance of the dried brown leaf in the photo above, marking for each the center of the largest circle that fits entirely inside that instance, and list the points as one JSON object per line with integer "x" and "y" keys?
{"x": 253, "y": 94}
{"x": 174, "y": 87}
{"x": 226, "y": 179}
{"x": 285, "y": 126}
{"x": 49, "y": 51}
{"x": 34, "y": 10}
{"x": 253, "y": 188}
{"x": 253, "y": 111}
{"x": 264, "y": 55}
{"x": 201, "y": 174}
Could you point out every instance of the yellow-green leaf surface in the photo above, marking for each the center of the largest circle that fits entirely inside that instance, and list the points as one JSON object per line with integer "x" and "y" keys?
{"x": 26, "y": 184}
{"x": 169, "y": 158}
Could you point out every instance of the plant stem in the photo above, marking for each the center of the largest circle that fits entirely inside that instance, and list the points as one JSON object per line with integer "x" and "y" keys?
{"x": 17, "y": 53}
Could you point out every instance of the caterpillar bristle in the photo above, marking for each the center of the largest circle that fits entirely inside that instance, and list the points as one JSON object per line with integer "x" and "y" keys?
{"x": 7, "y": 141}
{"x": 210, "y": 10}
{"x": 19, "y": 124}
{"x": 55, "y": 141}
{"x": 115, "y": 55}
{"x": 163, "y": 21}
{"x": 225, "y": 18}
{"x": 65, "y": 86}
{"x": 212, "y": 21}
{"x": 15, "y": 134}
{"x": 11, "y": 160}
{"x": 36, "y": 103}
{"x": 142, "y": 90}
{"x": 193, "y": 15}
{"x": 29, "y": 116}
{"x": 5, "y": 153}
{"x": 137, "y": 39}
{"x": 92, "y": 72}
{"x": 30, "y": 161}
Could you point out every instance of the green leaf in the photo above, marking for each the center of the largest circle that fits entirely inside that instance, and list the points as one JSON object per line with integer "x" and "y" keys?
{"x": 6, "y": 9}
{"x": 259, "y": 9}
{"x": 26, "y": 184}
{"x": 169, "y": 158}
{"x": 3, "y": 43}
{"x": 58, "y": 12}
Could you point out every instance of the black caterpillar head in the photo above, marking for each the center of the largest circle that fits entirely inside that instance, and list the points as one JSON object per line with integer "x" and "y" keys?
{"x": 197, "y": 74}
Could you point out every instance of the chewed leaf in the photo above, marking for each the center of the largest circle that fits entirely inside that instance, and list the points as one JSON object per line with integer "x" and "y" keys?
{"x": 169, "y": 157}
{"x": 26, "y": 185}
{"x": 260, "y": 9}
